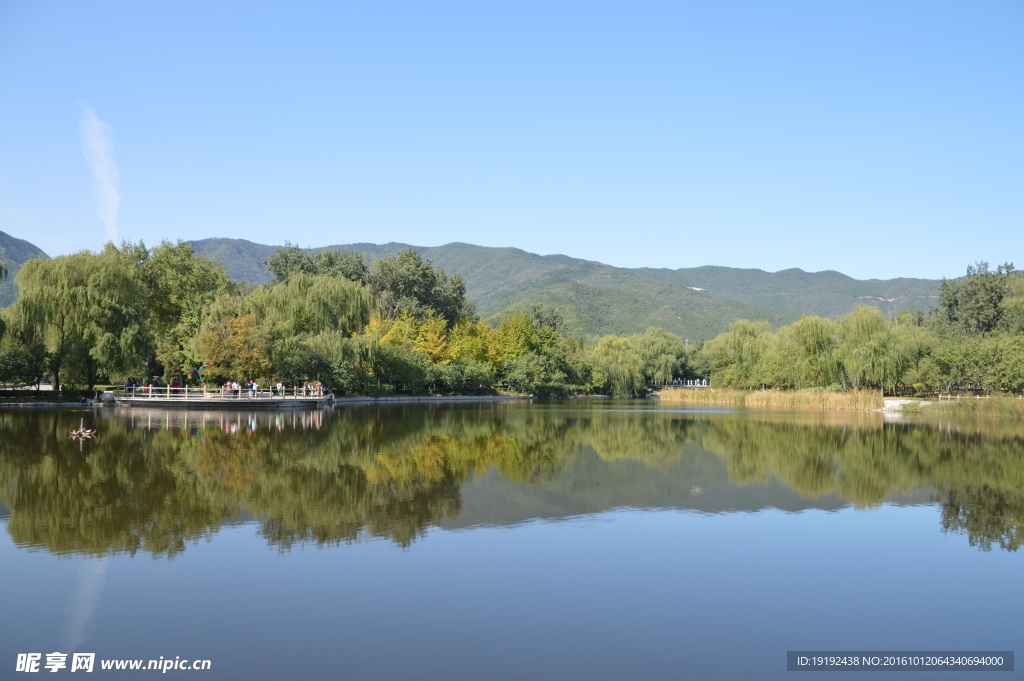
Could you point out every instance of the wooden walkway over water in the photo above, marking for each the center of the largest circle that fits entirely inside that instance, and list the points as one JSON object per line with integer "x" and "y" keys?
{"x": 198, "y": 398}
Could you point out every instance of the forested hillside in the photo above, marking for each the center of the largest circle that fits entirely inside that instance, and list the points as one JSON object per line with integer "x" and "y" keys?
{"x": 827, "y": 293}
{"x": 596, "y": 299}
{"x": 13, "y": 252}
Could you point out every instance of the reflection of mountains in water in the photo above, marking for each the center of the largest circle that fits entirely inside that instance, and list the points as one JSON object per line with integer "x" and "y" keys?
{"x": 155, "y": 481}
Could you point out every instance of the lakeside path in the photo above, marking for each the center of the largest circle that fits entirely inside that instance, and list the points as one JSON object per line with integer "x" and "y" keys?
{"x": 93, "y": 404}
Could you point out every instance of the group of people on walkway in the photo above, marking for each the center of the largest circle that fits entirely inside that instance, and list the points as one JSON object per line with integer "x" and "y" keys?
{"x": 687, "y": 382}
{"x": 252, "y": 389}
{"x": 230, "y": 389}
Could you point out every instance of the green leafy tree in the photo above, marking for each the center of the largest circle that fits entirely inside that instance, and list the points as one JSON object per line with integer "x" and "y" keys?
{"x": 402, "y": 367}
{"x": 291, "y": 259}
{"x": 918, "y": 346}
{"x": 619, "y": 362}
{"x": 662, "y": 355}
{"x": 239, "y": 350}
{"x": 527, "y": 374}
{"x": 991, "y": 363}
{"x": 869, "y": 350}
{"x": 179, "y": 287}
{"x": 805, "y": 353}
{"x": 545, "y": 317}
{"x": 475, "y": 342}
{"x": 973, "y": 304}
{"x": 87, "y": 311}
{"x": 739, "y": 356}
{"x": 408, "y": 282}
{"x": 1013, "y": 304}
{"x": 517, "y": 336}
{"x": 20, "y": 362}
{"x": 307, "y": 323}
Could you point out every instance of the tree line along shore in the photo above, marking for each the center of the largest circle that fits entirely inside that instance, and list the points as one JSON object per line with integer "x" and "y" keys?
{"x": 403, "y": 326}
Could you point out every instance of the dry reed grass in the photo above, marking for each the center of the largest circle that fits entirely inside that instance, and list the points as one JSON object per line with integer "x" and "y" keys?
{"x": 1001, "y": 407}
{"x": 822, "y": 400}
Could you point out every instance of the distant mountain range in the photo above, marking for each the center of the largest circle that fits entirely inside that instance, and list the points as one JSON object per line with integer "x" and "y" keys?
{"x": 697, "y": 303}
{"x": 14, "y": 252}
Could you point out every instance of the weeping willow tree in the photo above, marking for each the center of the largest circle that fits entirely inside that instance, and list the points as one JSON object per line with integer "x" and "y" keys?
{"x": 618, "y": 360}
{"x": 805, "y": 354}
{"x": 869, "y": 350}
{"x": 662, "y": 354}
{"x": 740, "y": 357}
{"x": 862, "y": 350}
{"x": 305, "y": 327}
{"x": 89, "y": 313}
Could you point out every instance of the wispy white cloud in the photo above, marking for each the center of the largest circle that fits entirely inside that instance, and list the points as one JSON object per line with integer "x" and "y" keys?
{"x": 98, "y": 147}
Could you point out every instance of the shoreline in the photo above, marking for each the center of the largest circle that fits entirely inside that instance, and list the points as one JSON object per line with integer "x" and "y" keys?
{"x": 1007, "y": 408}
{"x": 236, "y": 404}
{"x": 802, "y": 400}
{"x": 81, "y": 405}
{"x": 432, "y": 398}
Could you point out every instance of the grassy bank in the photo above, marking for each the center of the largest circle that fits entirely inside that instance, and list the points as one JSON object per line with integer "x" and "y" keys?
{"x": 823, "y": 400}
{"x": 969, "y": 407}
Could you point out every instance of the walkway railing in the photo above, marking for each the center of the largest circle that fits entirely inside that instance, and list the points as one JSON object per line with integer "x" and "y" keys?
{"x": 681, "y": 383}
{"x": 191, "y": 393}
{"x": 950, "y": 397}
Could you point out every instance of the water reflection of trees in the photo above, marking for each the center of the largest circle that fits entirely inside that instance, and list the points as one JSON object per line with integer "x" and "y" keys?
{"x": 987, "y": 516}
{"x": 155, "y": 482}
{"x": 977, "y": 475}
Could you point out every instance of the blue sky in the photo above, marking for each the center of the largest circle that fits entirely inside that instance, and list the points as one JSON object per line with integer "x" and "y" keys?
{"x": 880, "y": 139}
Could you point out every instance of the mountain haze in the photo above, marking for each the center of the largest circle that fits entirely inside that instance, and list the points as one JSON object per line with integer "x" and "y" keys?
{"x": 696, "y": 303}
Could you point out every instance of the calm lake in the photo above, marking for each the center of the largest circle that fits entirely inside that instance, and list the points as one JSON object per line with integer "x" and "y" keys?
{"x": 580, "y": 539}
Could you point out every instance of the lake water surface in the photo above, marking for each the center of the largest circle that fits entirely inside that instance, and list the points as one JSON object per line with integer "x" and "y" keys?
{"x": 559, "y": 540}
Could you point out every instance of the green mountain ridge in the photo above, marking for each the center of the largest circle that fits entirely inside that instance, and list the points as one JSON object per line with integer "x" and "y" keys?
{"x": 594, "y": 298}
{"x": 697, "y": 303}
{"x": 827, "y": 293}
{"x": 14, "y": 252}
